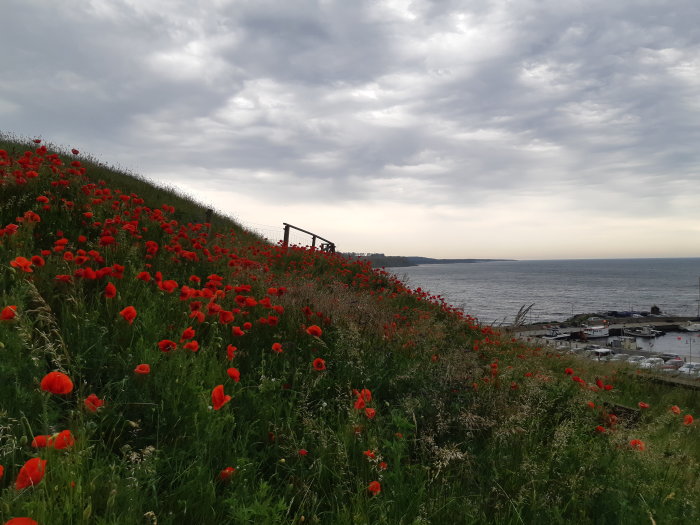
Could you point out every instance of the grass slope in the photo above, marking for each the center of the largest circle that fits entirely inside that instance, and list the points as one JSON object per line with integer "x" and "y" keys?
{"x": 352, "y": 398}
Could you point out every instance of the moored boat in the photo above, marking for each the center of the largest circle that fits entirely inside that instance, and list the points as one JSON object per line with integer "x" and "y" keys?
{"x": 642, "y": 331}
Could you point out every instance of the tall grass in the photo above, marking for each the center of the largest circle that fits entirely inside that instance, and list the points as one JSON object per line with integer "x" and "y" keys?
{"x": 346, "y": 377}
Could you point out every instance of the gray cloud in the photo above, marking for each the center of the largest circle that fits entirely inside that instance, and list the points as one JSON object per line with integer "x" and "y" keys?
{"x": 439, "y": 104}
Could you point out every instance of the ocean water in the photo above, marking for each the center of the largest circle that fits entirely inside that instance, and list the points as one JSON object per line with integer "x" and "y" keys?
{"x": 493, "y": 292}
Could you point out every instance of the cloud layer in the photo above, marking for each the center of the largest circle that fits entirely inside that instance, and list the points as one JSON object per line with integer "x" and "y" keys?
{"x": 523, "y": 129}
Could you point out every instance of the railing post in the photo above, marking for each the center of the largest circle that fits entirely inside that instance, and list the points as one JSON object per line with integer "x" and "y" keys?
{"x": 285, "y": 243}
{"x": 313, "y": 241}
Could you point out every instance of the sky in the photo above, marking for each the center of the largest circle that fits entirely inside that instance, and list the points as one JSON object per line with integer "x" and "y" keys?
{"x": 523, "y": 129}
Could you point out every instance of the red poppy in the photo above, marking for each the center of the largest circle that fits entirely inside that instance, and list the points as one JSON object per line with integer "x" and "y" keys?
{"x": 218, "y": 398}
{"x": 74, "y": 151}
{"x": 57, "y": 383}
{"x": 314, "y": 330}
{"x": 62, "y": 440}
{"x": 231, "y": 352}
{"x": 38, "y": 261}
{"x": 675, "y": 409}
{"x": 236, "y": 330}
{"x": 383, "y": 465}
{"x": 234, "y": 374}
{"x": 143, "y": 369}
{"x": 225, "y": 316}
{"x": 41, "y": 441}
{"x": 688, "y": 420}
{"x": 189, "y": 333}
{"x": 226, "y": 473}
{"x": 31, "y": 473}
{"x": 637, "y": 444}
{"x": 8, "y": 313}
{"x": 369, "y": 453}
{"x": 21, "y": 521}
{"x": 303, "y": 452}
{"x": 370, "y": 413}
{"x": 247, "y": 326}
{"x": 319, "y": 364}
{"x": 166, "y": 345}
{"x": 569, "y": 371}
{"x": 191, "y": 345}
{"x": 600, "y": 429}
{"x": 22, "y": 263}
{"x": 2, "y": 471}
{"x": 129, "y": 314}
{"x": 642, "y": 404}
{"x": 110, "y": 291}
{"x": 277, "y": 347}
{"x": 374, "y": 487}
{"x": 92, "y": 402}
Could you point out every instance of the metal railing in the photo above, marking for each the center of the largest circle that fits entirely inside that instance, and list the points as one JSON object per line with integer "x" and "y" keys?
{"x": 326, "y": 246}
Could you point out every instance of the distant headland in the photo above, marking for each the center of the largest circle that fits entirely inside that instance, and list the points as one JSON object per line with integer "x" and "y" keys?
{"x": 380, "y": 260}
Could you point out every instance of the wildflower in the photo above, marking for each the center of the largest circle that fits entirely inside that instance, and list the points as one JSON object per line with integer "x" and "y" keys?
{"x": 370, "y": 413}
{"x": 225, "y": 316}
{"x": 110, "y": 291}
{"x": 383, "y": 465}
{"x": 569, "y": 371}
{"x": 599, "y": 383}
{"x": 314, "y": 331}
{"x": 143, "y": 369}
{"x": 234, "y": 374}
{"x": 21, "y": 521}
{"x": 374, "y": 487}
{"x": 236, "y": 330}
{"x": 92, "y": 402}
{"x": 319, "y": 364}
{"x": 688, "y": 420}
{"x": 63, "y": 439}
{"x": 129, "y": 314}
{"x": 370, "y": 454}
{"x": 642, "y": 404}
{"x": 218, "y": 398}
{"x": 637, "y": 444}
{"x": 8, "y": 313}
{"x": 166, "y": 345}
{"x": 74, "y": 151}
{"x": 57, "y": 383}
{"x": 591, "y": 404}
{"x": 38, "y": 261}
{"x": 191, "y": 345}
{"x": 247, "y": 326}
{"x": 675, "y": 409}
{"x": 303, "y": 452}
{"x": 230, "y": 352}
{"x": 600, "y": 429}
{"x": 31, "y": 473}
{"x": 226, "y": 473}
{"x": 22, "y": 263}
{"x": 277, "y": 347}
{"x": 2, "y": 471}
{"x": 189, "y": 333}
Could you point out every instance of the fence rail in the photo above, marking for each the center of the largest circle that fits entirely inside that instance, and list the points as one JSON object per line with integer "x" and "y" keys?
{"x": 327, "y": 246}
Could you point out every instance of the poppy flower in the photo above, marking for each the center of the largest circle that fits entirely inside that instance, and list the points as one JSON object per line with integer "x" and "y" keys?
{"x": 21, "y": 521}
{"x": 234, "y": 374}
{"x": 303, "y": 452}
{"x": 642, "y": 404}
{"x": 189, "y": 333}
{"x": 92, "y": 402}
{"x": 637, "y": 444}
{"x": 143, "y": 369}
{"x": 314, "y": 330}
{"x": 569, "y": 371}
{"x": 236, "y": 330}
{"x": 129, "y": 314}
{"x": 370, "y": 413}
{"x": 218, "y": 398}
{"x": 277, "y": 347}
{"x": 74, "y": 151}
{"x": 40, "y": 441}
{"x": 110, "y": 291}
{"x": 166, "y": 345}
{"x": 225, "y": 316}
{"x": 688, "y": 420}
{"x": 31, "y": 473}
{"x": 62, "y": 440}
{"x": 2, "y": 471}
{"x": 231, "y": 352}
{"x": 369, "y": 453}
{"x": 319, "y": 364}
{"x": 22, "y": 263}
{"x": 226, "y": 473}
{"x": 57, "y": 383}
{"x": 675, "y": 409}
{"x": 600, "y": 429}
{"x": 8, "y": 313}
{"x": 191, "y": 345}
{"x": 374, "y": 487}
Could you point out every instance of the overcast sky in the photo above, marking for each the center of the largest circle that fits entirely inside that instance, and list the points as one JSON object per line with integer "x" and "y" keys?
{"x": 448, "y": 128}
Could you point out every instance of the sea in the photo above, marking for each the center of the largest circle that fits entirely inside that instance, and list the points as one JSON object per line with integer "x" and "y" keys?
{"x": 494, "y": 292}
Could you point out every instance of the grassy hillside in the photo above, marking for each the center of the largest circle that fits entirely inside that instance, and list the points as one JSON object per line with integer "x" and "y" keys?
{"x": 158, "y": 369}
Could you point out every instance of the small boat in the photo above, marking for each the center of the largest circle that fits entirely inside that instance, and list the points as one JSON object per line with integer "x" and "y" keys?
{"x": 555, "y": 334}
{"x": 642, "y": 331}
{"x": 690, "y": 326}
{"x": 593, "y": 332}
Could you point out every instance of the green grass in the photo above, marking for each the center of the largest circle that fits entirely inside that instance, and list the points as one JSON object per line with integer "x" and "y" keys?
{"x": 470, "y": 426}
